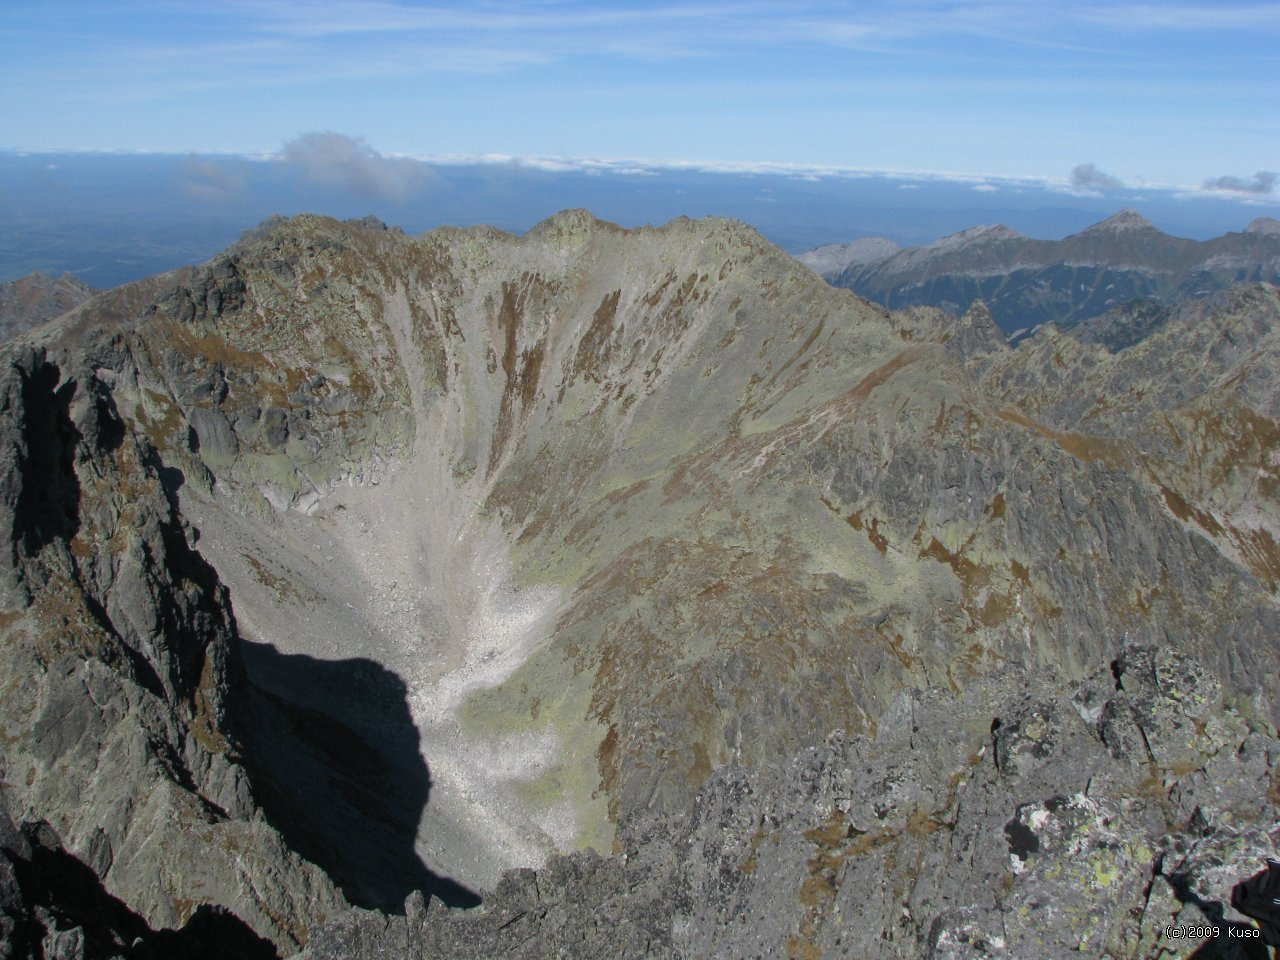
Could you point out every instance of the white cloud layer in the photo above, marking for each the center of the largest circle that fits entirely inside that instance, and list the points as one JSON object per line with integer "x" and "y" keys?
{"x": 209, "y": 181}
{"x": 1089, "y": 177}
{"x": 336, "y": 160}
{"x": 1262, "y": 182}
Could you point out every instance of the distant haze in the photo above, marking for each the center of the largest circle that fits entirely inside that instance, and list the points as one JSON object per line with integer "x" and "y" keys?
{"x": 110, "y": 218}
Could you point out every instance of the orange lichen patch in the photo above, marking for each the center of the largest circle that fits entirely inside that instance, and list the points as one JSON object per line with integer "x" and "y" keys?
{"x": 170, "y": 423}
{"x": 1185, "y": 512}
{"x": 922, "y": 824}
{"x": 214, "y": 348}
{"x": 878, "y": 539}
{"x": 203, "y": 723}
{"x": 995, "y": 610}
{"x": 1047, "y": 609}
{"x": 882, "y": 373}
{"x": 1241, "y": 439}
{"x": 804, "y": 348}
{"x": 1261, "y": 553}
{"x": 996, "y": 508}
{"x": 283, "y": 588}
{"x": 615, "y": 497}
{"x": 607, "y": 765}
{"x": 1082, "y": 446}
{"x": 700, "y": 769}
{"x": 596, "y": 346}
{"x": 522, "y": 369}
{"x": 966, "y": 571}
{"x": 748, "y": 865}
{"x": 835, "y": 841}
{"x": 64, "y": 624}
{"x": 854, "y": 520}
{"x": 967, "y": 664}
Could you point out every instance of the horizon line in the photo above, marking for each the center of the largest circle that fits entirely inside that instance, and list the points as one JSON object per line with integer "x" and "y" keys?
{"x": 633, "y": 166}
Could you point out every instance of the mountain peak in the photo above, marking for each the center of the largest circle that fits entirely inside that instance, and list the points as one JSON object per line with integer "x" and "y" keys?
{"x": 1124, "y": 221}
{"x": 984, "y": 233}
{"x": 834, "y": 257}
{"x": 1267, "y": 225}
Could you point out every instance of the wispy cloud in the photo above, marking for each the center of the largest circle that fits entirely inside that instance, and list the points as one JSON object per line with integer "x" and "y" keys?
{"x": 1263, "y": 182}
{"x": 632, "y": 166}
{"x": 509, "y": 34}
{"x": 210, "y": 181}
{"x": 334, "y": 159}
{"x": 1089, "y": 177}
{"x": 1183, "y": 16}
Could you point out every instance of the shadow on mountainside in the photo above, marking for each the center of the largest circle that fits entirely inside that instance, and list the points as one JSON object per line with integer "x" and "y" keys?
{"x": 333, "y": 755}
{"x": 53, "y": 900}
{"x": 1235, "y": 940}
{"x": 332, "y": 752}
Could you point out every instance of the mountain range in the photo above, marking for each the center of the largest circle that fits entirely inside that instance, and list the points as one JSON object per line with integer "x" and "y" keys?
{"x": 629, "y": 593}
{"x": 1026, "y": 283}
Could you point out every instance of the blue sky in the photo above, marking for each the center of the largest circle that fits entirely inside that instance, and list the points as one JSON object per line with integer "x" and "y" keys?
{"x": 1172, "y": 94}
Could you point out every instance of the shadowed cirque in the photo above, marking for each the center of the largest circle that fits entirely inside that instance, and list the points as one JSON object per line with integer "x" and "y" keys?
{"x": 335, "y": 762}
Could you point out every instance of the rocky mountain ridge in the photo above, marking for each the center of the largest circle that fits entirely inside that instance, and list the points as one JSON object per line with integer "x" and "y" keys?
{"x": 671, "y": 600}
{"x": 36, "y": 298}
{"x": 1027, "y": 283}
{"x": 834, "y": 257}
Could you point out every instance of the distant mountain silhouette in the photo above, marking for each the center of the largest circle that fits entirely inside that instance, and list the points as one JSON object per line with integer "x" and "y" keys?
{"x": 1027, "y": 282}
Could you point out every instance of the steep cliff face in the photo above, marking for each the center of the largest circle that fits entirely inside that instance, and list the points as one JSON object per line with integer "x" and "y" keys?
{"x": 119, "y": 659}
{"x": 352, "y": 564}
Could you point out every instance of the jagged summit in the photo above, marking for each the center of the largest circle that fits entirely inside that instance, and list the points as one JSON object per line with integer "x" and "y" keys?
{"x": 1125, "y": 221}
{"x": 1269, "y": 226}
{"x": 979, "y": 234}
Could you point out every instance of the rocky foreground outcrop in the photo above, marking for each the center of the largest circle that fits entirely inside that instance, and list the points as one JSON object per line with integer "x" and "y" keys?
{"x": 645, "y": 588}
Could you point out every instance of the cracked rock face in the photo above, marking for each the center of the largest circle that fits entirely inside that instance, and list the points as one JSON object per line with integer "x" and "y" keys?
{"x": 643, "y": 586}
